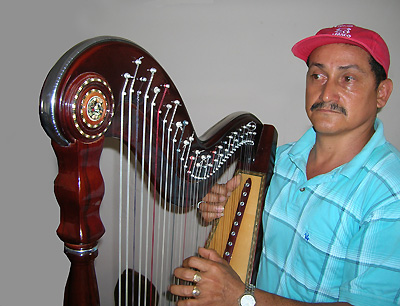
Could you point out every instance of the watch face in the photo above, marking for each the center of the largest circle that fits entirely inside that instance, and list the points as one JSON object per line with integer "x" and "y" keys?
{"x": 247, "y": 300}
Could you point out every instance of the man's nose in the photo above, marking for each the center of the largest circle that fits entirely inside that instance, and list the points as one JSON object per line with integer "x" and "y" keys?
{"x": 330, "y": 91}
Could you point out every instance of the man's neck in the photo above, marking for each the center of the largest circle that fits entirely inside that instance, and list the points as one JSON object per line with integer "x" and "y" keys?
{"x": 330, "y": 152}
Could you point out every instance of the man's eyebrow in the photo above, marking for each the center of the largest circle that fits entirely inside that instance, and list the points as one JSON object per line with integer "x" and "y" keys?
{"x": 316, "y": 65}
{"x": 352, "y": 66}
{"x": 346, "y": 67}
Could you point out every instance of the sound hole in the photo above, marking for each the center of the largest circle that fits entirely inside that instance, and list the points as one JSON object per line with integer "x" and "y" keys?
{"x": 148, "y": 293}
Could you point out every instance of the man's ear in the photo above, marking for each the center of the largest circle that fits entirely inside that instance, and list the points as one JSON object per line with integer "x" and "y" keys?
{"x": 383, "y": 92}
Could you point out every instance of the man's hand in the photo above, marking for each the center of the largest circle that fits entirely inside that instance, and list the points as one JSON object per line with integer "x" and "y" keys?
{"x": 219, "y": 283}
{"x": 212, "y": 205}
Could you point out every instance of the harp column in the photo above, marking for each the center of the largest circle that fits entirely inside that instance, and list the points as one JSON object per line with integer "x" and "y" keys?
{"x": 85, "y": 112}
{"x": 79, "y": 189}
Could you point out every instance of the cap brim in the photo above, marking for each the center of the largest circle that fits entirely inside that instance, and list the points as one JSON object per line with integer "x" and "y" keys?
{"x": 304, "y": 47}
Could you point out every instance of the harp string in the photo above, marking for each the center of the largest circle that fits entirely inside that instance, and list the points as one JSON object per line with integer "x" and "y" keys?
{"x": 156, "y": 219}
{"x": 127, "y": 202}
{"x": 121, "y": 200}
{"x": 144, "y": 137}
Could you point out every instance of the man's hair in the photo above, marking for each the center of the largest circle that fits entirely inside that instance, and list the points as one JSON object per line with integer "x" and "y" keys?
{"x": 378, "y": 71}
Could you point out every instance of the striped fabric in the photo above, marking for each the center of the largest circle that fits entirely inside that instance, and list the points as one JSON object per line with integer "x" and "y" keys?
{"x": 335, "y": 237}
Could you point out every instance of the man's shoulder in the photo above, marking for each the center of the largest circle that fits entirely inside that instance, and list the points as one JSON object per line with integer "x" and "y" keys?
{"x": 384, "y": 166}
{"x": 386, "y": 155}
{"x": 304, "y": 144}
{"x": 282, "y": 153}
{"x": 284, "y": 149}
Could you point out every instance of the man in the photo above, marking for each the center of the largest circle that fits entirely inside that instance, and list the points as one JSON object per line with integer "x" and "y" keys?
{"x": 332, "y": 213}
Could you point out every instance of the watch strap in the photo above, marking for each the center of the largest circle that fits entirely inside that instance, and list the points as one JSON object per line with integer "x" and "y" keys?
{"x": 249, "y": 289}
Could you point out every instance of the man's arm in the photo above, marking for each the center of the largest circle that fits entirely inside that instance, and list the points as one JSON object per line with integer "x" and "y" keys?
{"x": 220, "y": 285}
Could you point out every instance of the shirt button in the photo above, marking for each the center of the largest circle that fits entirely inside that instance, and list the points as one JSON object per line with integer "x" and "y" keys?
{"x": 302, "y": 189}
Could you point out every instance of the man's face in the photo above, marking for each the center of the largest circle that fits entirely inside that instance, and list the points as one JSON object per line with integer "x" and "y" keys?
{"x": 341, "y": 95}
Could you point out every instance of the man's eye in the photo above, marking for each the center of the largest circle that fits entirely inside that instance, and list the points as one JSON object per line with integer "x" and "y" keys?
{"x": 348, "y": 79}
{"x": 316, "y": 76}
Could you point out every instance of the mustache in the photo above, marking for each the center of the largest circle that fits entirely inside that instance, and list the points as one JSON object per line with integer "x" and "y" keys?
{"x": 331, "y": 106}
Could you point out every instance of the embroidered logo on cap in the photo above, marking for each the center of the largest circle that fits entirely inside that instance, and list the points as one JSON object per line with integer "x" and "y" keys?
{"x": 343, "y": 30}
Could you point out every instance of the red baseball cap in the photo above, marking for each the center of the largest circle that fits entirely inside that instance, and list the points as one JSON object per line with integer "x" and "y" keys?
{"x": 366, "y": 39}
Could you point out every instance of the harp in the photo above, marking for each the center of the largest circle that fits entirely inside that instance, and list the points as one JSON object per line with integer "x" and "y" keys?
{"x": 111, "y": 87}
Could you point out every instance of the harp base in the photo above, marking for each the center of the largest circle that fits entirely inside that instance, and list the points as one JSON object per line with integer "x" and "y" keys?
{"x": 81, "y": 288}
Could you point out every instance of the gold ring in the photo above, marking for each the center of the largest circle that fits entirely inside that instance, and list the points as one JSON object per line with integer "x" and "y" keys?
{"x": 196, "y": 277}
{"x": 195, "y": 291}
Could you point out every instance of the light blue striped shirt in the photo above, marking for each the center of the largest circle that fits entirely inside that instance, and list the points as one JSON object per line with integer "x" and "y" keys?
{"x": 335, "y": 237}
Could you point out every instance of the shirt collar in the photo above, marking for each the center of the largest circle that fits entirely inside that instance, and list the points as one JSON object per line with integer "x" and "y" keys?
{"x": 298, "y": 154}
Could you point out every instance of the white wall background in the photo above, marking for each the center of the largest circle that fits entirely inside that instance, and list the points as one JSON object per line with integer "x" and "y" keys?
{"x": 223, "y": 55}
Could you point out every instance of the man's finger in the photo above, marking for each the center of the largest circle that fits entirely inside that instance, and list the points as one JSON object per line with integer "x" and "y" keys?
{"x": 217, "y": 195}
{"x": 182, "y": 290}
{"x": 233, "y": 183}
{"x": 210, "y": 254}
{"x": 208, "y": 217}
{"x": 210, "y": 208}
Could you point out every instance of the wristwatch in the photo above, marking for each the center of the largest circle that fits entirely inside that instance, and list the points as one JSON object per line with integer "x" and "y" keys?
{"x": 248, "y": 299}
